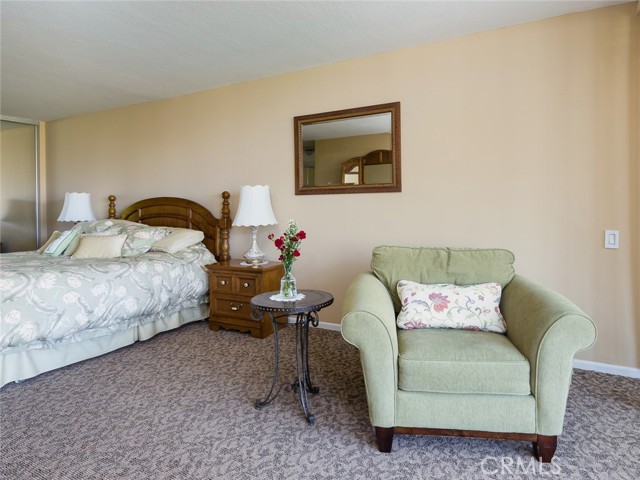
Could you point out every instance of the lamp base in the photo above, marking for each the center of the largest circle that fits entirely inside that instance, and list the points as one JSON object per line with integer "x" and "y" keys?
{"x": 254, "y": 256}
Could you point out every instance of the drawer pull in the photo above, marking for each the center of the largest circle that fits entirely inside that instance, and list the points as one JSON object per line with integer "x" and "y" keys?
{"x": 234, "y": 307}
{"x": 223, "y": 282}
{"x": 245, "y": 284}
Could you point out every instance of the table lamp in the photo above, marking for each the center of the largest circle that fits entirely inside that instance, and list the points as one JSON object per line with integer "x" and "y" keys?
{"x": 254, "y": 210}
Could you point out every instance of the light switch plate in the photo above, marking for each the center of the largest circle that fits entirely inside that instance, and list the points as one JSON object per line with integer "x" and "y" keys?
{"x": 612, "y": 239}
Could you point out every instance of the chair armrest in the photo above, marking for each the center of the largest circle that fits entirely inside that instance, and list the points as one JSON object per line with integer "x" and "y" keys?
{"x": 369, "y": 323}
{"x": 548, "y": 329}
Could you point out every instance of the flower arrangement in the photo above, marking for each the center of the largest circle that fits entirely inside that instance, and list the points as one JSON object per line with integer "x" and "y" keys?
{"x": 289, "y": 244}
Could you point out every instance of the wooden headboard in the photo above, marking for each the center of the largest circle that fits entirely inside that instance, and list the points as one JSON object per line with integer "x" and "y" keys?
{"x": 183, "y": 213}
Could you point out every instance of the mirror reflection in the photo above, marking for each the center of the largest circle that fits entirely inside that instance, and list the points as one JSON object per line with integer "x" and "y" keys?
{"x": 348, "y": 151}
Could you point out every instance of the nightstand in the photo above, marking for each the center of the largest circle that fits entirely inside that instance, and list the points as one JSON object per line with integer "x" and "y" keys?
{"x": 231, "y": 287}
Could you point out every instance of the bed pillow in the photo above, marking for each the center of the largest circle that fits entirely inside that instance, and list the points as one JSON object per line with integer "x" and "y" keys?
{"x": 94, "y": 227}
{"x": 178, "y": 239}
{"x": 100, "y": 246}
{"x": 54, "y": 236}
{"x": 71, "y": 248}
{"x": 140, "y": 237}
{"x": 98, "y": 226}
{"x": 72, "y": 245}
{"x": 472, "y": 307}
{"x": 140, "y": 240}
{"x": 59, "y": 245}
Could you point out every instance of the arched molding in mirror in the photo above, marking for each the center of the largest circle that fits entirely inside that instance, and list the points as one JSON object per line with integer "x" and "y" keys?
{"x": 348, "y": 151}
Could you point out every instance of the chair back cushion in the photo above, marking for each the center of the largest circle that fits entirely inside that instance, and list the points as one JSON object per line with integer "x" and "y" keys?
{"x": 459, "y": 266}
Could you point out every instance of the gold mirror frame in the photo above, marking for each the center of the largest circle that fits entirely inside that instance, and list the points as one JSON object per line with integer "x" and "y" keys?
{"x": 299, "y": 122}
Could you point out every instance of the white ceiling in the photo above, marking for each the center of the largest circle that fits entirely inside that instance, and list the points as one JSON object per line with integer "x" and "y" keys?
{"x": 62, "y": 58}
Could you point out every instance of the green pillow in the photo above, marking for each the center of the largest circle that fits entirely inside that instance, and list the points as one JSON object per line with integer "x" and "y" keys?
{"x": 58, "y": 246}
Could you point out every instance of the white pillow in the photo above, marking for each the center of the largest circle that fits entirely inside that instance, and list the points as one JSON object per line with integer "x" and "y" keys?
{"x": 178, "y": 239}
{"x": 472, "y": 307}
{"x": 54, "y": 236}
{"x": 100, "y": 246}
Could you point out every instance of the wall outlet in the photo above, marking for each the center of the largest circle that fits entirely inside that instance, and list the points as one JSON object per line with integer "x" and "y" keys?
{"x": 612, "y": 239}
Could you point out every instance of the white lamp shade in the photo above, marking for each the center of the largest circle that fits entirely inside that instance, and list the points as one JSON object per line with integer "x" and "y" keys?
{"x": 76, "y": 208}
{"x": 254, "y": 207}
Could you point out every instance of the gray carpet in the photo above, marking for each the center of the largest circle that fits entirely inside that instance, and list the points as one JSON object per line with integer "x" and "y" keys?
{"x": 180, "y": 406}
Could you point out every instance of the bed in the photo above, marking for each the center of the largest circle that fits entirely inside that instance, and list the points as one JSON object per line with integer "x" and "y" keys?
{"x": 59, "y": 310}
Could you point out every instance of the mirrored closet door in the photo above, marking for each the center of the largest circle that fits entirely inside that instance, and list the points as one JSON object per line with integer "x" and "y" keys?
{"x": 19, "y": 210}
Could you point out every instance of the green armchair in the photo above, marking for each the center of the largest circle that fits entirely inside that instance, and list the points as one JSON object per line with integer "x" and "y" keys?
{"x": 443, "y": 381}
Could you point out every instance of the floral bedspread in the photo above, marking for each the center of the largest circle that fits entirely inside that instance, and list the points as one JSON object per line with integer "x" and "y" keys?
{"x": 45, "y": 301}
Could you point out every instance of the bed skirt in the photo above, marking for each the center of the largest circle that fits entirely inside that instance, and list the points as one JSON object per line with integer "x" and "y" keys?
{"x": 29, "y": 363}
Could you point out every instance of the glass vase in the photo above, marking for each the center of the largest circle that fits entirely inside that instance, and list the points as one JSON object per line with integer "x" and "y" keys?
{"x": 288, "y": 284}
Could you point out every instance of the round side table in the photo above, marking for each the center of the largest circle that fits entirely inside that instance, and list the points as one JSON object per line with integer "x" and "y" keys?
{"x": 306, "y": 312}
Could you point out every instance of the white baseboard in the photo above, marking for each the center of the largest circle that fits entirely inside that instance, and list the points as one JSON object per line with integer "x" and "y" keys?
{"x": 329, "y": 326}
{"x": 607, "y": 368}
{"x": 580, "y": 364}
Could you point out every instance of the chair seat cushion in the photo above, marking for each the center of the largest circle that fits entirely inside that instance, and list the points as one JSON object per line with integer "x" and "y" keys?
{"x": 460, "y": 361}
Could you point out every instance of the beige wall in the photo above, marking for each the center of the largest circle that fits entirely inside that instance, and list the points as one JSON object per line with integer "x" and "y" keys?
{"x": 524, "y": 138}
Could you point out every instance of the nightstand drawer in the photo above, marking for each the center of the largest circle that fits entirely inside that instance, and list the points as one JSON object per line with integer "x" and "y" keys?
{"x": 223, "y": 306}
{"x": 223, "y": 282}
{"x": 246, "y": 285}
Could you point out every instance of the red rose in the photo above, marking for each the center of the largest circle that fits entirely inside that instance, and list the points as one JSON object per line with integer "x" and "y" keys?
{"x": 296, "y": 253}
{"x": 280, "y": 258}
{"x": 302, "y": 235}
{"x": 271, "y": 236}
{"x": 279, "y": 242}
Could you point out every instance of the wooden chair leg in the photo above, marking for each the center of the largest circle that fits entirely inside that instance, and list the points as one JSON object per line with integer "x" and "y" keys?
{"x": 545, "y": 447}
{"x": 384, "y": 437}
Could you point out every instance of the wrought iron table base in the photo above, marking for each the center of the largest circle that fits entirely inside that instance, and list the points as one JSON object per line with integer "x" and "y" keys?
{"x": 303, "y": 384}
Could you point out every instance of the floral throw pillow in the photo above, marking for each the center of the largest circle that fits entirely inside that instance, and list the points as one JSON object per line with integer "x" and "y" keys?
{"x": 140, "y": 239}
{"x": 472, "y": 307}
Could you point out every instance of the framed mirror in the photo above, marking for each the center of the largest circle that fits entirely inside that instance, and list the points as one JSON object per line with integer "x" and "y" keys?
{"x": 348, "y": 151}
